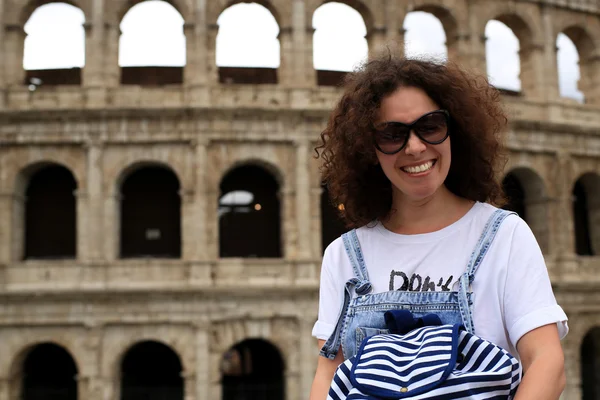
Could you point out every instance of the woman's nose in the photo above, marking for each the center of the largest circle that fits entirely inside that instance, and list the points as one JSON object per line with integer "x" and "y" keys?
{"x": 414, "y": 145}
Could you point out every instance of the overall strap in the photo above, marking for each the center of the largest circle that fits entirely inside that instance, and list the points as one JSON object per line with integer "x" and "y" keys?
{"x": 361, "y": 276}
{"x": 477, "y": 256}
{"x": 359, "y": 284}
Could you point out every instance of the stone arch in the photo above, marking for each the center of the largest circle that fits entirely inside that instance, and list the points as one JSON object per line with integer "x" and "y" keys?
{"x": 450, "y": 18}
{"x": 358, "y": 5}
{"x": 337, "y": 27}
{"x": 588, "y": 66}
{"x": 586, "y": 214}
{"x": 215, "y": 9}
{"x": 18, "y": 365}
{"x": 26, "y": 11}
{"x": 250, "y": 213}
{"x": 149, "y": 211}
{"x": 179, "y": 5}
{"x": 268, "y": 165}
{"x": 133, "y": 166}
{"x": 151, "y": 370}
{"x": 590, "y": 365}
{"x": 255, "y": 366}
{"x": 445, "y": 18}
{"x": 281, "y": 333}
{"x": 29, "y": 221}
{"x": 533, "y": 204}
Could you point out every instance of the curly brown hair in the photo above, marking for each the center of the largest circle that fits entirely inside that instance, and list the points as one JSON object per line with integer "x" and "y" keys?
{"x": 350, "y": 169}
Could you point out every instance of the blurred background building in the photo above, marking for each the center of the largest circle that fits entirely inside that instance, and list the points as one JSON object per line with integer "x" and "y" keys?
{"x": 162, "y": 218}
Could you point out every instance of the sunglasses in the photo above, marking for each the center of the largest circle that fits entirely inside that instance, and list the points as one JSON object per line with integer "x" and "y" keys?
{"x": 432, "y": 128}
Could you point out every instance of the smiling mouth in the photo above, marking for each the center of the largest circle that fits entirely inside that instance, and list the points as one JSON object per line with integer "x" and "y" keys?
{"x": 417, "y": 169}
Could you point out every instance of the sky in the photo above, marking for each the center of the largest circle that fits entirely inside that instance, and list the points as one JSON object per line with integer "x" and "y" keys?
{"x": 152, "y": 34}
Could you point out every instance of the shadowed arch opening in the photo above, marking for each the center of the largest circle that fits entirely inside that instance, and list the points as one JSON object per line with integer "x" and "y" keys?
{"x": 151, "y": 371}
{"x": 49, "y": 212}
{"x": 54, "y": 48}
{"x": 586, "y": 214}
{"x": 339, "y": 42}
{"x": 48, "y": 372}
{"x": 249, "y": 214}
{"x": 152, "y": 47}
{"x": 151, "y": 213}
{"x": 527, "y": 197}
{"x": 247, "y": 45}
{"x": 332, "y": 225}
{"x": 425, "y": 37}
{"x": 590, "y": 365}
{"x": 253, "y": 370}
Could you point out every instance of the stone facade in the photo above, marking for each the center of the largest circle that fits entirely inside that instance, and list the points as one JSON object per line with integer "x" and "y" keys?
{"x": 97, "y": 305}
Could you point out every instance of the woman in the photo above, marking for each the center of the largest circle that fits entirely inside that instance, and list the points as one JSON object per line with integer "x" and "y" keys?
{"x": 413, "y": 152}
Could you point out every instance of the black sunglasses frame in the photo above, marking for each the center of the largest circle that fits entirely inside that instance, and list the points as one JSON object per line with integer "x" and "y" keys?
{"x": 410, "y": 128}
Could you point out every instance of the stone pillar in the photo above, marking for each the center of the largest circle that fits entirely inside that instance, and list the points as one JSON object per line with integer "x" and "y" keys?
{"x": 95, "y": 204}
{"x": 472, "y": 51}
{"x": 17, "y": 227}
{"x": 550, "y": 74}
{"x": 302, "y": 46}
{"x": 212, "y": 71}
{"x": 196, "y": 54}
{"x": 303, "y": 201}
{"x": 286, "y": 73}
{"x": 571, "y": 348}
{"x": 188, "y": 224}
{"x": 111, "y": 225}
{"x": 289, "y": 235}
{"x": 202, "y": 381}
{"x": 14, "y": 44}
{"x": 377, "y": 38}
{"x": 111, "y": 68}
{"x": 532, "y": 63}
{"x": 589, "y": 83}
{"x": 6, "y": 201}
{"x": 564, "y": 230}
{"x": 309, "y": 353}
{"x": 82, "y": 224}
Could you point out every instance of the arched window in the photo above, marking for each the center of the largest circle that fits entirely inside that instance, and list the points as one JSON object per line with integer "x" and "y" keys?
{"x": 527, "y": 196}
{"x": 568, "y": 68}
{"x": 49, "y": 372}
{"x": 249, "y": 215}
{"x": 425, "y": 36}
{"x": 151, "y": 371}
{"x": 55, "y": 46}
{"x": 151, "y": 214}
{"x": 247, "y": 48}
{"x": 332, "y": 225}
{"x": 586, "y": 214}
{"x": 152, "y": 47}
{"x": 50, "y": 214}
{"x": 590, "y": 365}
{"x": 253, "y": 370}
{"x": 502, "y": 55}
{"x": 339, "y": 42}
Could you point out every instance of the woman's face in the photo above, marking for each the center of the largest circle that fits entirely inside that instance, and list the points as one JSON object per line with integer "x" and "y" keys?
{"x": 419, "y": 169}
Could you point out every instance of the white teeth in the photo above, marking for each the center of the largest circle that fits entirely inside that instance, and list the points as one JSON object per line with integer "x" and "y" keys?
{"x": 419, "y": 168}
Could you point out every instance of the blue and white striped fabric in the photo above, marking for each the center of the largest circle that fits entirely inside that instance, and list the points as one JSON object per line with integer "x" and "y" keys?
{"x": 433, "y": 362}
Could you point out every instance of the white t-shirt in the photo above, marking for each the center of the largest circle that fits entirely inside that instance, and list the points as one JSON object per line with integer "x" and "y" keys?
{"x": 512, "y": 290}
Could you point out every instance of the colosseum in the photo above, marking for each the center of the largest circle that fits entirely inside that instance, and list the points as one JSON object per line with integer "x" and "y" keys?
{"x": 161, "y": 228}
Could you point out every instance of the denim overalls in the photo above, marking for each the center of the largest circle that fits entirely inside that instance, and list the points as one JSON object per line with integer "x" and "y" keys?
{"x": 362, "y": 316}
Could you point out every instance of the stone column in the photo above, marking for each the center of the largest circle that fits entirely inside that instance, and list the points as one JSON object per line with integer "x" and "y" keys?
{"x": 188, "y": 224}
{"x": 472, "y": 51}
{"x": 589, "y": 83}
{"x": 571, "y": 347}
{"x": 309, "y": 353}
{"x": 550, "y": 73}
{"x": 6, "y": 201}
{"x": 198, "y": 228}
{"x": 302, "y": 38}
{"x": 286, "y": 68}
{"x": 289, "y": 235}
{"x": 95, "y": 206}
{"x": 532, "y": 63}
{"x": 82, "y": 224}
{"x": 14, "y": 44}
{"x": 303, "y": 200}
{"x": 111, "y": 225}
{"x": 377, "y": 38}
{"x": 202, "y": 381}
{"x": 212, "y": 71}
{"x": 111, "y": 68}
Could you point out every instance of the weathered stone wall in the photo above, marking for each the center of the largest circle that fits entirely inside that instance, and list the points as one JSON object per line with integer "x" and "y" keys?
{"x": 97, "y": 305}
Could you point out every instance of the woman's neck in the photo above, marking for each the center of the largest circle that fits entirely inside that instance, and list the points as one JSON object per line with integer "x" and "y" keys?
{"x": 411, "y": 217}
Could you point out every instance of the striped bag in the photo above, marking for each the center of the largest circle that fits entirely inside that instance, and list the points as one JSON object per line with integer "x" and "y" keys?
{"x": 430, "y": 362}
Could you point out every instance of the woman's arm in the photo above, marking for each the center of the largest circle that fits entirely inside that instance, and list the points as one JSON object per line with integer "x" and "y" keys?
{"x": 325, "y": 371}
{"x": 543, "y": 364}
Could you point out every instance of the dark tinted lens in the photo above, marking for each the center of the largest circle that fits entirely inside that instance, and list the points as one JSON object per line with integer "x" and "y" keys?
{"x": 391, "y": 137}
{"x": 433, "y": 127}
